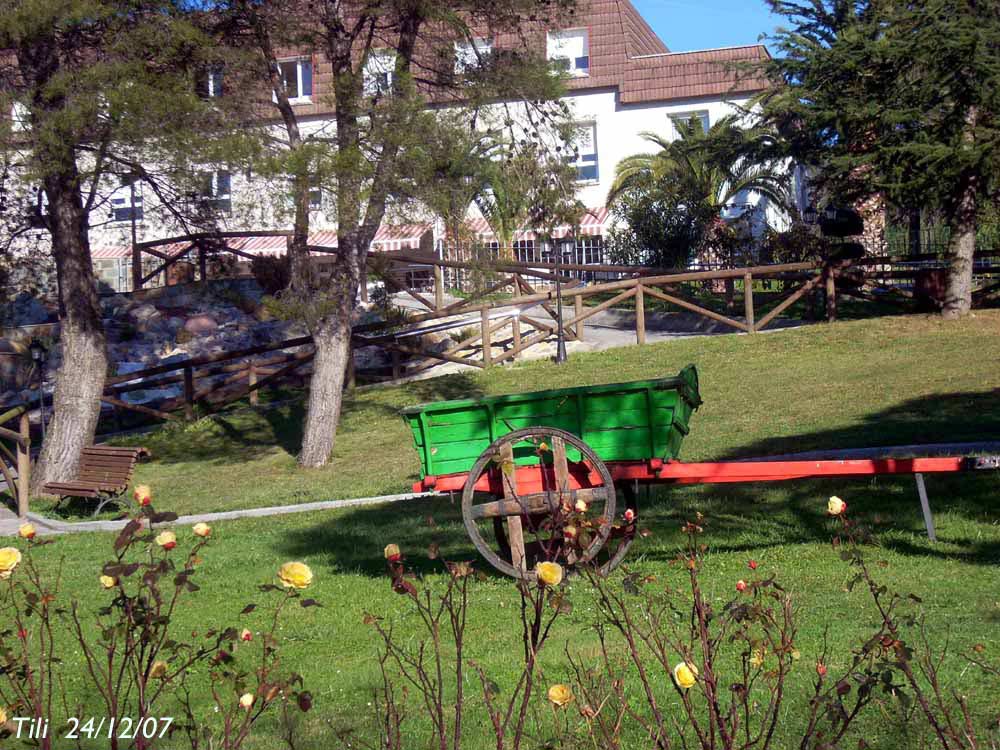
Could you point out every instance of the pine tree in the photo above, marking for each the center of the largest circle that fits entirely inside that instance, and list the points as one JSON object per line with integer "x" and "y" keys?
{"x": 91, "y": 84}
{"x": 375, "y": 153}
{"x": 900, "y": 98}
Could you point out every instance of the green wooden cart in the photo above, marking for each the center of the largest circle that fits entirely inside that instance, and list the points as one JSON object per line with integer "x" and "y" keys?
{"x": 537, "y": 470}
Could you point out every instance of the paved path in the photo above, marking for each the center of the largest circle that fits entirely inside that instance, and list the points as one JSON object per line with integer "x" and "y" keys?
{"x": 9, "y": 522}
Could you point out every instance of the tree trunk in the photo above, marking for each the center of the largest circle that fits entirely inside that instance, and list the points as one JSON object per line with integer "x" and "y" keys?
{"x": 962, "y": 240}
{"x": 961, "y": 250}
{"x": 332, "y": 338}
{"x": 326, "y": 391}
{"x": 80, "y": 380}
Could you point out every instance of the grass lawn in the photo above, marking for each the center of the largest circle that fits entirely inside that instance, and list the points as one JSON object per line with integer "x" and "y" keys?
{"x": 865, "y": 383}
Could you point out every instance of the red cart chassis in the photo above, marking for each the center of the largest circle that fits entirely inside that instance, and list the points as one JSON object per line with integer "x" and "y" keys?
{"x": 581, "y": 476}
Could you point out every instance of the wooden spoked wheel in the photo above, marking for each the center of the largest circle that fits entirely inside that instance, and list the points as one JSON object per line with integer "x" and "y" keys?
{"x": 523, "y": 491}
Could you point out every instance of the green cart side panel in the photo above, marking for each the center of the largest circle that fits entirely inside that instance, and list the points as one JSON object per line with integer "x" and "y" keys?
{"x": 621, "y": 421}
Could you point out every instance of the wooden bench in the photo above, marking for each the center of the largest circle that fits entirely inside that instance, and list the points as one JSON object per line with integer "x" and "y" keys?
{"x": 105, "y": 472}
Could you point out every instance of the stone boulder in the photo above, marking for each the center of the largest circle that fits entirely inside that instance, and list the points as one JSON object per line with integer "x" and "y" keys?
{"x": 145, "y": 317}
{"x": 25, "y": 310}
{"x": 201, "y": 325}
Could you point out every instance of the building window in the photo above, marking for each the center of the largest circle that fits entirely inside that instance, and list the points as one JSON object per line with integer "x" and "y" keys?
{"x": 683, "y": 120}
{"x": 213, "y": 83}
{"x": 126, "y": 201}
{"x": 586, "y": 156}
{"x": 315, "y": 194}
{"x": 39, "y": 218}
{"x": 472, "y": 55}
{"x": 216, "y": 191}
{"x": 379, "y": 71}
{"x": 524, "y": 251}
{"x": 20, "y": 118}
{"x": 296, "y": 77}
{"x": 570, "y": 50}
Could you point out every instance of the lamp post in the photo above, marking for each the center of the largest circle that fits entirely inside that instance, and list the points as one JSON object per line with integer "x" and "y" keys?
{"x": 38, "y": 354}
{"x": 566, "y": 244}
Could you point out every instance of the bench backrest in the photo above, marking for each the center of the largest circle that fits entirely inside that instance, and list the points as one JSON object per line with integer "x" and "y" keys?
{"x": 109, "y": 465}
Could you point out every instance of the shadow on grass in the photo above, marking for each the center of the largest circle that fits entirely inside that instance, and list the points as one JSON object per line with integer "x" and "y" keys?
{"x": 738, "y": 518}
{"x": 942, "y": 418}
{"x": 240, "y": 436}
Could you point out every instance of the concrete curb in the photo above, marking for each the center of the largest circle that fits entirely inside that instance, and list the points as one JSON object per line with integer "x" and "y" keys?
{"x": 48, "y": 526}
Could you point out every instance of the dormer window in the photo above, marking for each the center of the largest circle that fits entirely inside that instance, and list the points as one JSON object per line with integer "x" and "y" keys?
{"x": 570, "y": 50}
{"x": 380, "y": 69}
{"x": 296, "y": 77}
{"x": 471, "y": 55}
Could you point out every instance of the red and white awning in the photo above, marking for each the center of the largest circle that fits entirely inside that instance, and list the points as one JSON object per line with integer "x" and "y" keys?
{"x": 389, "y": 237}
{"x": 593, "y": 223}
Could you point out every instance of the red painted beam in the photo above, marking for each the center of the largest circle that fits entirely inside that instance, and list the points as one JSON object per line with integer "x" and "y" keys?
{"x": 532, "y": 479}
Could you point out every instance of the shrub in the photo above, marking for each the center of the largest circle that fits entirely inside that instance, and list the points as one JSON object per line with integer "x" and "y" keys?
{"x": 725, "y": 667}
{"x": 136, "y": 659}
{"x": 271, "y": 272}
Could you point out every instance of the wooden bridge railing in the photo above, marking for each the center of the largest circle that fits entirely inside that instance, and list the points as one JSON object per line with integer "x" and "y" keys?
{"x": 17, "y": 458}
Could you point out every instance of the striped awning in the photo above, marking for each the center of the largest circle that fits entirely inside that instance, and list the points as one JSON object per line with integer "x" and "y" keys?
{"x": 389, "y": 237}
{"x": 593, "y": 223}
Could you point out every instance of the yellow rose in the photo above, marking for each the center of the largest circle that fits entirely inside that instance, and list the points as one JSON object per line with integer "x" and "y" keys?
{"x": 27, "y": 531}
{"x": 295, "y": 575}
{"x": 756, "y": 658}
{"x": 142, "y": 494}
{"x": 392, "y": 553}
{"x": 835, "y": 506}
{"x": 202, "y": 529}
{"x": 167, "y": 540}
{"x": 246, "y": 700}
{"x": 549, "y": 573}
{"x": 159, "y": 670}
{"x": 796, "y": 655}
{"x": 560, "y": 695}
{"x": 685, "y": 675}
{"x": 3, "y": 716}
{"x": 10, "y": 557}
{"x": 109, "y": 582}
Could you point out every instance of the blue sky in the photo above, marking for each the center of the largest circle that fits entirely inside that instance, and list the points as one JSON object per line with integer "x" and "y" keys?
{"x": 698, "y": 24}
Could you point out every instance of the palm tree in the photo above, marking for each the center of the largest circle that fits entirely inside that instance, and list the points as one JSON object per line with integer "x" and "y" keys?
{"x": 714, "y": 168}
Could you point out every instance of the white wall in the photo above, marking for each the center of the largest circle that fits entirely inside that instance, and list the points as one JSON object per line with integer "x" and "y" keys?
{"x": 619, "y": 129}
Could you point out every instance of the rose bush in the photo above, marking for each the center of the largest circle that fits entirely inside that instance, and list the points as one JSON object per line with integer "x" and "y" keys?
{"x": 136, "y": 662}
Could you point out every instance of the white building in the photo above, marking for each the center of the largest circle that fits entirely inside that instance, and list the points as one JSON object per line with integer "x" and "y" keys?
{"x": 623, "y": 82}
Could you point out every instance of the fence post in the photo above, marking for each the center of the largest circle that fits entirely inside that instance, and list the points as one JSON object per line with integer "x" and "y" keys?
{"x": 24, "y": 467}
{"x": 831, "y": 293}
{"x": 748, "y": 302}
{"x": 578, "y": 309}
{"x": 351, "y": 375}
{"x": 202, "y": 264}
{"x": 487, "y": 343}
{"x": 438, "y": 287}
{"x": 515, "y": 323}
{"x": 252, "y": 381}
{"x": 189, "y": 392}
{"x": 397, "y": 370}
{"x": 640, "y": 316}
{"x": 136, "y": 268}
